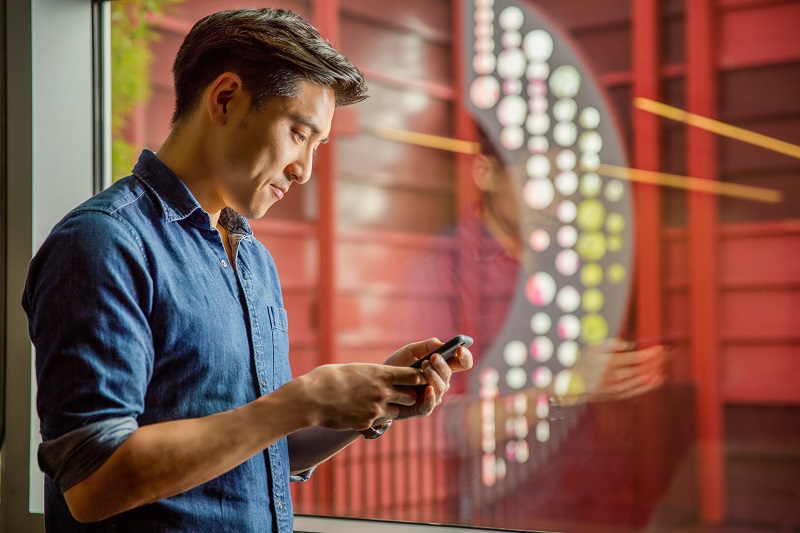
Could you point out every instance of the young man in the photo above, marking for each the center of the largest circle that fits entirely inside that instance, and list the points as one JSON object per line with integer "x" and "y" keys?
{"x": 165, "y": 394}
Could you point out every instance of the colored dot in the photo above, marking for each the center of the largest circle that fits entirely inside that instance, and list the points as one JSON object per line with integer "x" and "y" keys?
{"x": 542, "y": 377}
{"x": 615, "y": 223}
{"x": 614, "y": 243}
{"x": 590, "y": 141}
{"x": 591, "y": 185}
{"x": 589, "y": 118}
{"x": 593, "y": 300}
{"x": 567, "y": 262}
{"x": 511, "y": 63}
{"x": 537, "y": 103}
{"x": 489, "y": 376}
{"x": 539, "y": 240}
{"x": 538, "y": 193}
{"x": 484, "y": 92}
{"x": 591, "y": 275}
{"x": 516, "y": 378}
{"x": 567, "y": 353}
{"x": 615, "y": 190}
{"x": 537, "y": 88}
{"x": 567, "y": 236}
{"x": 484, "y": 63}
{"x": 537, "y": 71}
{"x": 591, "y": 214}
{"x": 512, "y": 137}
{"x": 541, "y": 349}
{"x": 569, "y": 327}
{"x": 569, "y": 384}
{"x": 540, "y": 289}
{"x": 512, "y": 110}
{"x": 566, "y": 160}
{"x": 568, "y": 299}
{"x": 515, "y": 353}
{"x": 538, "y": 145}
{"x": 523, "y": 450}
{"x": 565, "y": 81}
{"x": 565, "y": 133}
{"x": 567, "y": 183}
{"x": 590, "y": 162}
{"x": 616, "y": 273}
{"x": 566, "y": 211}
{"x": 591, "y": 246}
{"x": 542, "y": 406}
{"x": 538, "y": 166}
{"x": 511, "y": 39}
{"x": 538, "y": 45}
{"x": 511, "y": 18}
{"x": 537, "y": 123}
{"x": 541, "y": 323}
{"x": 543, "y": 431}
{"x": 564, "y": 109}
{"x": 594, "y": 328}
{"x": 512, "y": 87}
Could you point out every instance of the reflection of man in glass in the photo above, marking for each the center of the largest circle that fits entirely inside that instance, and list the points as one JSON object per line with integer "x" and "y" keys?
{"x": 164, "y": 388}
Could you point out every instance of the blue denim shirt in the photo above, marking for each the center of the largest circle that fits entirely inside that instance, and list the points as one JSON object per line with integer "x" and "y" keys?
{"x": 137, "y": 318}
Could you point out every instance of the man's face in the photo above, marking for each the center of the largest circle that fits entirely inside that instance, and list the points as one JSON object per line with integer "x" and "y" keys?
{"x": 267, "y": 150}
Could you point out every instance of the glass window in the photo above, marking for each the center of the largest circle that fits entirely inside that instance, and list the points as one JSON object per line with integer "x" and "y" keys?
{"x": 624, "y": 264}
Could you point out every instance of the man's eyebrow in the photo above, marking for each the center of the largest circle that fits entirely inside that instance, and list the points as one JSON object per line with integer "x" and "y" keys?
{"x": 306, "y": 121}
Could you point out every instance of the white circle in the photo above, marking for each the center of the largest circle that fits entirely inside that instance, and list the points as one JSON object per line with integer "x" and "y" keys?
{"x": 615, "y": 190}
{"x": 565, "y": 81}
{"x": 511, "y": 63}
{"x": 538, "y": 144}
{"x": 511, "y": 39}
{"x": 564, "y": 109}
{"x": 541, "y": 348}
{"x": 541, "y": 289}
{"x": 516, "y": 378}
{"x": 569, "y": 327}
{"x": 566, "y": 211}
{"x": 567, "y": 353}
{"x": 540, "y": 240}
{"x": 542, "y": 406}
{"x": 543, "y": 431}
{"x": 566, "y": 160}
{"x": 590, "y": 141}
{"x": 538, "y": 193}
{"x": 590, "y": 118}
{"x": 484, "y": 92}
{"x": 590, "y": 161}
{"x": 565, "y": 133}
{"x": 483, "y": 31}
{"x": 512, "y": 87}
{"x": 561, "y": 385}
{"x": 484, "y": 63}
{"x": 567, "y": 183}
{"x": 537, "y": 124}
{"x": 591, "y": 185}
{"x": 542, "y": 377}
{"x": 538, "y": 104}
{"x": 512, "y": 137}
{"x": 541, "y": 323}
{"x": 568, "y": 299}
{"x": 538, "y": 71}
{"x": 567, "y": 262}
{"x": 538, "y": 45}
{"x": 511, "y": 18}
{"x": 538, "y": 166}
{"x": 515, "y": 353}
{"x": 567, "y": 236}
{"x": 484, "y": 46}
{"x": 511, "y": 110}
{"x": 523, "y": 452}
{"x": 489, "y": 376}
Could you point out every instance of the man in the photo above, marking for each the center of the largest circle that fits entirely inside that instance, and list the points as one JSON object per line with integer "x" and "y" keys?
{"x": 165, "y": 394}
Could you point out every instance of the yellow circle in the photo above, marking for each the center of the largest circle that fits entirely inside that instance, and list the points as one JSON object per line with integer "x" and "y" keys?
{"x": 592, "y": 300}
{"x": 614, "y": 243}
{"x": 616, "y": 273}
{"x": 594, "y": 328}
{"x": 615, "y": 223}
{"x": 591, "y": 214}
{"x": 591, "y": 246}
{"x": 591, "y": 275}
{"x": 591, "y": 184}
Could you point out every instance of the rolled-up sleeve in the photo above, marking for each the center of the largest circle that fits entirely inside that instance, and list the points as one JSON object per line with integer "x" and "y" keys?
{"x": 88, "y": 299}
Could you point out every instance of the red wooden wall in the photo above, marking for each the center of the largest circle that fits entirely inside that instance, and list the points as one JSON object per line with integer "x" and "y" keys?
{"x": 727, "y": 263}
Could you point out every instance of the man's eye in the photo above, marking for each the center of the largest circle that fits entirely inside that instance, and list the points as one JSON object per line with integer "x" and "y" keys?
{"x": 300, "y": 137}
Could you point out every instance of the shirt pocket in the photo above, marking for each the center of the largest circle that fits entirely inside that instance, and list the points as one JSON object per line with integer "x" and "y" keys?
{"x": 279, "y": 324}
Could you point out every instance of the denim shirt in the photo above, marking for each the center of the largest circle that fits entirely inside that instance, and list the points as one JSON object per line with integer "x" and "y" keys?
{"x": 138, "y": 318}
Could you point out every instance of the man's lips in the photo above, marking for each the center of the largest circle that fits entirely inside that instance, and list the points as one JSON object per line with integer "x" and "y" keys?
{"x": 278, "y": 191}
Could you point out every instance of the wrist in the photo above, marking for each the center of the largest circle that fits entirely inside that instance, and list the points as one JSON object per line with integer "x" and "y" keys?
{"x": 297, "y": 401}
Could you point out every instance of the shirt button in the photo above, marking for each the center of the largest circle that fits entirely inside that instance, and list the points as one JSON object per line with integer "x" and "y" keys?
{"x": 263, "y": 382}
{"x": 280, "y": 505}
{"x": 224, "y": 263}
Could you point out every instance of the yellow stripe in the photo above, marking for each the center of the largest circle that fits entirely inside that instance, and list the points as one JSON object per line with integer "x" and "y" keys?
{"x": 424, "y": 139}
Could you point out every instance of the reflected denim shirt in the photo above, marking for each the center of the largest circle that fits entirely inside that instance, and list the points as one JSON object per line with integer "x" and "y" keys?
{"x": 138, "y": 318}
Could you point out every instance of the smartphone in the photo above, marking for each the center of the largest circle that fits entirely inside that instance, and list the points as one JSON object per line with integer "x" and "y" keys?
{"x": 446, "y": 350}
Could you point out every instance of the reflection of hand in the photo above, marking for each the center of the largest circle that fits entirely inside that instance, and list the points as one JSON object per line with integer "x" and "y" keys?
{"x": 611, "y": 370}
{"x": 437, "y": 373}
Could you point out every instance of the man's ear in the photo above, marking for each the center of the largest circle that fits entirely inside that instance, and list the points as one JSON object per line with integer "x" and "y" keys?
{"x": 484, "y": 169}
{"x": 224, "y": 94}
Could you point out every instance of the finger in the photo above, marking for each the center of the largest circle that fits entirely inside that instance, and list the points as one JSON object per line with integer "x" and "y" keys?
{"x": 423, "y": 348}
{"x": 638, "y": 357}
{"x": 441, "y": 367}
{"x": 428, "y": 402}
{"x": 462, "y": 361}
{"x": 404, "y": 376}
{"x": 402, "y": 396}
{"x": 435, "y": 381}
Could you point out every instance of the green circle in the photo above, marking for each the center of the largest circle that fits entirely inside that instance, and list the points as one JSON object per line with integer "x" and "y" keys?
{"x": 591, "y": 275}
{"x": 615, "y": 223}
{"x": 592, "y": 300}
{"x": 594, "y": 328}
{"x": 614, "y": 243}
{"x": 591, "y": 183}
{"x": 591, "y": 246}
{"x": 591, "y": 214}
{"x": 616, "y": 273}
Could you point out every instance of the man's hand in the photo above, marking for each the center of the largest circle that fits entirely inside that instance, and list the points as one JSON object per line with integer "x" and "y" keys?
{"x": 437, "y": 374}
{"x": 360, "y": 396}
{"x": 612, "y": 370}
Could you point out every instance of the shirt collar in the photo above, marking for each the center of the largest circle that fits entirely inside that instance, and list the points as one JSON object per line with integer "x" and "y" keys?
{"x": 177, "y": 201}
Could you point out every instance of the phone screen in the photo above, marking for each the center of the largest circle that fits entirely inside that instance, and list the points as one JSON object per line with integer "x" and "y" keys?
{"x": 446, "y": 350}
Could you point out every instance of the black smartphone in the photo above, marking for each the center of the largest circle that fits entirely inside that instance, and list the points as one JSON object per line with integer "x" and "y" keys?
{"x": 446, "y": 350}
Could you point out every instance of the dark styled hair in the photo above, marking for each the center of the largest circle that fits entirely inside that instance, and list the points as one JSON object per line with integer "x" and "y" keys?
{"x": 272, "y": 50}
